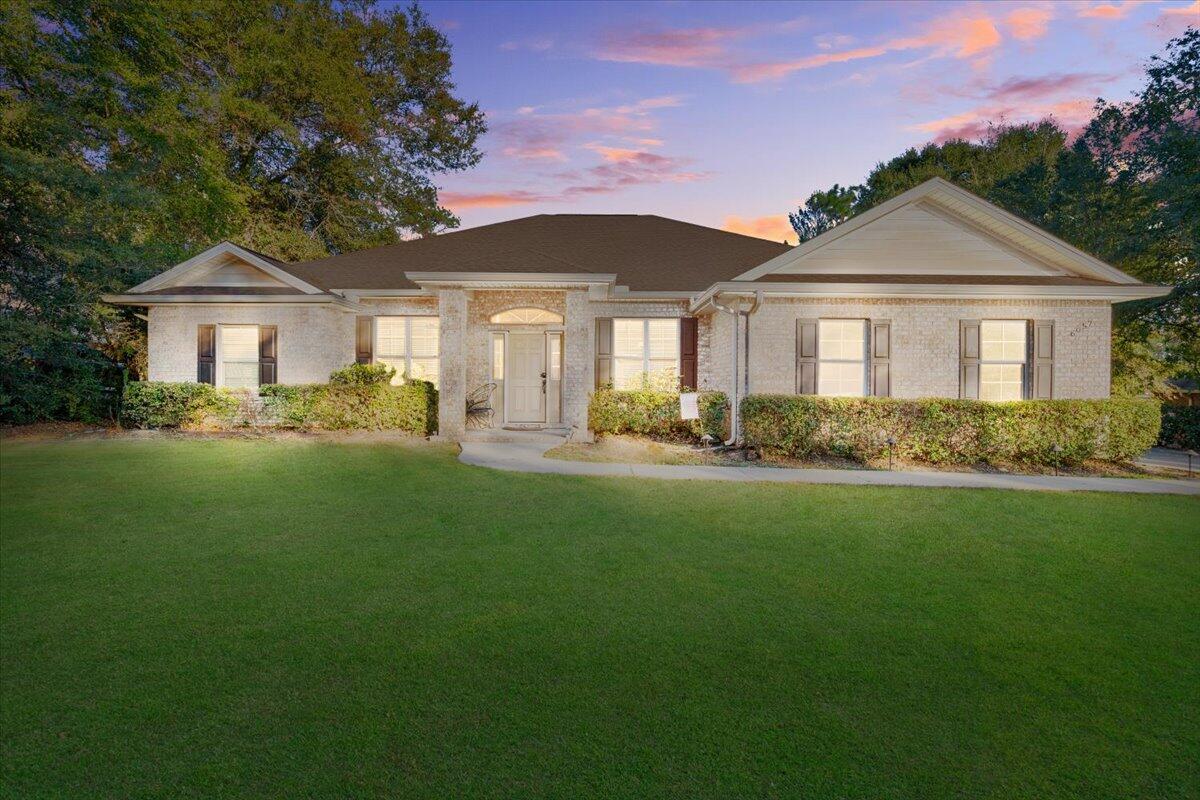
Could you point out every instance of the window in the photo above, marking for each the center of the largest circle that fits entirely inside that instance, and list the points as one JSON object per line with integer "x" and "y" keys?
{"x": 239, "y": 356}
{"x": 646, "y": 354}
{"x": 409, "y": 345}
{"x": 527, "y": 316}
{"x": 1002, "y": 359}
{"x": 842, "y": 352}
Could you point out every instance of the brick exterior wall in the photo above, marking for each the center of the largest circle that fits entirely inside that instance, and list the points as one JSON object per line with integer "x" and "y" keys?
{"x": 315, "y": 340}
{"x": 925, "y": 358}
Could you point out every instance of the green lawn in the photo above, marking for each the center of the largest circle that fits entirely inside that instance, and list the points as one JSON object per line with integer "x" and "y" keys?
{"x": 286, "y": 619}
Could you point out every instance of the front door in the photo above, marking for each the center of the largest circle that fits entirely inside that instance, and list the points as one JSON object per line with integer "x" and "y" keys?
{"x": 526, "y": 381}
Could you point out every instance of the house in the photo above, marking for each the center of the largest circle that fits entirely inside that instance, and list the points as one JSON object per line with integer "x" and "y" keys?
{"x": 935, "y": 293}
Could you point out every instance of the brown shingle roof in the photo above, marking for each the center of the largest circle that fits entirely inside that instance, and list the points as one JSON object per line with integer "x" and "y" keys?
{"x": 646, "y": 252}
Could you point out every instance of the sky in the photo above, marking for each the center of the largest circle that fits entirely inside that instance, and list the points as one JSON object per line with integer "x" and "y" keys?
{"x": 731, "y": 114}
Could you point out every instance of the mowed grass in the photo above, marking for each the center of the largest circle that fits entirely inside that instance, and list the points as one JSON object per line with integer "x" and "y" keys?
{"x": 190, "y": 618}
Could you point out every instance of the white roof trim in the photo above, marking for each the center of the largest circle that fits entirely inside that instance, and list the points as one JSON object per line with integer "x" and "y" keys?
{"x": 484, "y": 280}
{"x": 1081, "y": 261}
{"x": 933, "y": 291}
{"x": 163, "y": 279}
{"x": 230, "y": 299}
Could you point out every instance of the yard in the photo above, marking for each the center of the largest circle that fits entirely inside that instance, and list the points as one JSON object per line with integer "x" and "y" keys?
{"x": 203, "y": 618}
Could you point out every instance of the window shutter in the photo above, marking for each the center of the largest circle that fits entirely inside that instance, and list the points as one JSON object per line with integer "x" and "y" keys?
{"x": 688, "y": 334}
{"x": 881, "y": 357}
{"x": 1042, "y": 363}
{"x": 364, "y": 339}
{"x": 206, "y": 354}
{"x": 604, "y": 351}
{"x": 968, "y": 358}
{"x": 268, "y": 343}
{"x": 806, "y": 356}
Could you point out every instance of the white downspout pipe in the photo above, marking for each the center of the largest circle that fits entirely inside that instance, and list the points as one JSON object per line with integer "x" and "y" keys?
{"x": 733, "y": 400}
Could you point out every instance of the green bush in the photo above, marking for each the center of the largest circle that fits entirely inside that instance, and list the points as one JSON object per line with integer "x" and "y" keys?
{"x": 155, "y": 404}
{"x": 362, "y": 375}
{"x": 1180, "y": 427}
{"x": 654, "y": 414}
{"x": 354, "y": 406}
{"x": 951, "y": 431}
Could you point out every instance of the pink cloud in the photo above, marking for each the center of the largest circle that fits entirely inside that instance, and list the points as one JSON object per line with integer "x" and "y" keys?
{"x": 1043, "y": 86}
{"x": 680, "y": 47}
{"x": 965, "y": 36}
{"x": 1174, "y": 20}
{"x": 1029, "y": 23}
{"x": 533, "y": 136}
{"x": 1071, "y": 115}
{"x": 459, "y": 201}
{"x": 1118, "y": 10}
{"x": 777, "y": 228}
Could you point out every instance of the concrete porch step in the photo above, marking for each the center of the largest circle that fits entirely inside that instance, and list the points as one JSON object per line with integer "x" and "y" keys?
{"x": 551, "y": 436}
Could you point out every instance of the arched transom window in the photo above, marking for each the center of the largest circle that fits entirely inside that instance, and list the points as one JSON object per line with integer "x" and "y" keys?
{"x": 527, "y": 316}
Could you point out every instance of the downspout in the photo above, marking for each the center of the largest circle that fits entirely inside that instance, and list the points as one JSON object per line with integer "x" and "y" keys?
{"x": 733, "y": 407}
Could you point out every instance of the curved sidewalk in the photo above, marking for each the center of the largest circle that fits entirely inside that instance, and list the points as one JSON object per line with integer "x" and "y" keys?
{"x": 528, "y": 457}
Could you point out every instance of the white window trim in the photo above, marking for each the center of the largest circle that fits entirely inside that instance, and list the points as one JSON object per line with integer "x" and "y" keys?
{"x": 219, "y": 372}
{"x": 1023, "y": 363}
{"x": 646, "y": 341}
{"x": 866, "y": 355}
{"x": 377, "y": 355}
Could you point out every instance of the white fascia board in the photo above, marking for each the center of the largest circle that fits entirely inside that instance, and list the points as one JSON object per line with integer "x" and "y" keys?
{"x": 1117, "y": 293}
{"x": 179, "y": 270}
{"x": 383, "y": 293}
{"x": 229, "y": 299}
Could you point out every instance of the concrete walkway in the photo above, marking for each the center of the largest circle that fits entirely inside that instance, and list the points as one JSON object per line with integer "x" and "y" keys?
{"x": 1166, "y": 458}
{"x": 527, "y": 456}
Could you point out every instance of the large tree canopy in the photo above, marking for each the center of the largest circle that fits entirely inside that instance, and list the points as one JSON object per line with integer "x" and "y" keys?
{"x": 1127, "y": 190}
{"x": 133, "y": 133}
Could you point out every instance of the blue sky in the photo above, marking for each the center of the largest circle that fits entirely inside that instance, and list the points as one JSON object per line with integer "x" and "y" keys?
{"x": 730, "y": 114}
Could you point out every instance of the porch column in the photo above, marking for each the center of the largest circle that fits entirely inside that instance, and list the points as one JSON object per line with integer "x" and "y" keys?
{"x": 579, "y": 367}
{"x": 452, "y": 359}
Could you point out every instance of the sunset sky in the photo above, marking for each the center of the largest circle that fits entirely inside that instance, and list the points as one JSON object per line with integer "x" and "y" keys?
{"x": 729, "y": 115}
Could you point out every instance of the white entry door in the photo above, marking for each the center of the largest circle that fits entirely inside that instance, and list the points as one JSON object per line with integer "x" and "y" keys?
{"x": 526, "y": 380}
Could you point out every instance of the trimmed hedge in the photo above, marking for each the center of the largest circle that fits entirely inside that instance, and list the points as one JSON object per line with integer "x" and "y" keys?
{"x": 155, "y": 404}
{"x": 951, "y": 431}
{"x": 375, "y": 405}
{"x": 1180, "y": 427}
{"x": 354, "y": 406}
{"x": 655, "y": 414}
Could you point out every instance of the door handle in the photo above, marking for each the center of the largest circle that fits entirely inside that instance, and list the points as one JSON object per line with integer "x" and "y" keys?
{"x": 543, "y": 383}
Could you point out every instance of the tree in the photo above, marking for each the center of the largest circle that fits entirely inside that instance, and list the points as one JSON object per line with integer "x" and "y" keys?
{"x": 824, "y": 210}
{"x": 135, "y": 133}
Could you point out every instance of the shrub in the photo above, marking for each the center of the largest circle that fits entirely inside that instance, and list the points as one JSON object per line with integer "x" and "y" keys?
{"x": 1180, "y": 427}
{"x": 951, "y": 431}
{"x": 654, "y": 414}
{"x": 371, "y": 405}
{"x": 155, "y": 404}
{"x": 362, "y": 375}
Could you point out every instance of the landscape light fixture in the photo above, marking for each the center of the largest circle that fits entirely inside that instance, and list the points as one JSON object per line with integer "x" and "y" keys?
{"x": 1057, "y": 456}
{"x": 1191, "y": 454}
{"x": 891, "y": 442}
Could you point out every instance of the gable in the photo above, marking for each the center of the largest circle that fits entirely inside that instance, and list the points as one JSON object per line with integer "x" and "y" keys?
{"x": 938, "y": 229}
{"x": 226, "y": 270}
{"x": 919, "y": 239}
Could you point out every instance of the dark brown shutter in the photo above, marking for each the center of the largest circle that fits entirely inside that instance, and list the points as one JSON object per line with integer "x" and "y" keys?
{"x": 268, "y": 352}
{"x": 968, "y": 358}
{"x": 206, "y": 354}
{"x": 1042, "y": 363}
{"x": 689, "y": 330}
{"x": 881, "y": 357}
{"x": 364, "y": 339}
{"x": 806, "y": 356}
{"x": 604, "y": 351}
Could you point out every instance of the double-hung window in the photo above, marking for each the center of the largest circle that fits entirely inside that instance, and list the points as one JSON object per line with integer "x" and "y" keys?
{"x": 1002, "y": 358}
{"x": 842, "y": 356}
{"x": 646, "y": 353}
{"x": 239, "y": 356}
{"x": 409, "y": 345}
